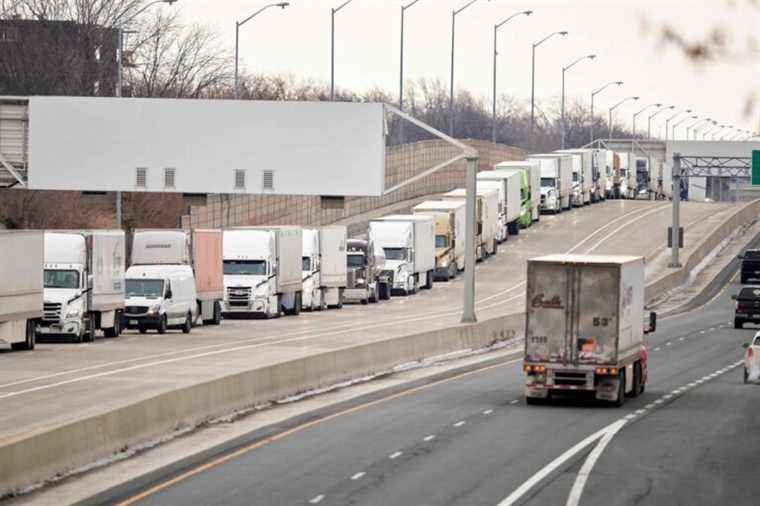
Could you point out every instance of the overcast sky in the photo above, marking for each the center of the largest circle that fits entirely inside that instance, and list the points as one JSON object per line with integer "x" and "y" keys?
{"x": 297, "y": 41}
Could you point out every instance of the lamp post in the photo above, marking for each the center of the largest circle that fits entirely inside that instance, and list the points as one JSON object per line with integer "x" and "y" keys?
{"x": 495, "y": 54}
{"x": 612, "y": 109}
{"x": 333, "y": 12}
{"x": 651, "y": 116}
{"x": 238, "y": 24}
{"x": 709, "y": 130}
{"x": 673, "y": 133}
{"x": 688, "y": 128}
{"x": 119, "y": 83}
{"x": 564, "y": 70}
{"x": 667, "y": 121}
{"x": 533, "y": 81}
{"x": 401, "y": 66}
{"x": 636, "y": 114}
{"x": 593, "y": 95}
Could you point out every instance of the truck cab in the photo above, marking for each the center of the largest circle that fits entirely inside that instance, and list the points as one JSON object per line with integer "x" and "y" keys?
{"x": 367, "y": 282}
{"x": 249, "y": 269}
{"x": 750, "y": 265}
{"x": 313, "y": 296}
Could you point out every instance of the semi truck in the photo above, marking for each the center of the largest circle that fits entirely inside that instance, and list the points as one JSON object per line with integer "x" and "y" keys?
{"x": 583, "y": 164}
{"x": 486, "y": 219}
{"x": 408, "y": 242}
{"x": 556, "y": 181}
{"x": 449, "y": 216}
{"x": 514, "y": 206}
{"x": 584, "y": 327}
{"x": 21, "y": 290}
{"x": 532, "y": 171}
{"x": 263, "y": 271}
{"x": 324, "y": 267}
{"x": 84, "y": 284}
{"x": 600, "y": 173}
{"x": 367, "y": 281}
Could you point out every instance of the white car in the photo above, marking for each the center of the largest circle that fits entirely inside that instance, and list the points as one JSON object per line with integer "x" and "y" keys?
{"x": 752, "y": 360}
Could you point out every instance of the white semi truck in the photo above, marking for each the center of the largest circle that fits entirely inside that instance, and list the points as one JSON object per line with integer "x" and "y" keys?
{"x": 21, "y": 289}
{"x": 84, "y": 284}
{"x": 532, "y": 171}
{"x": 408, "y": 241}
{"x": 324, "y": 267}
{"x": 263, "y": 271}
{"x": 449, "y": 216}
{"x": 584, "y": 327}
{"x": 486, "y": 218}
{"x": 583, "y": 164}
{"x": 556, "y": 182}
{"x": 510, "y": 186}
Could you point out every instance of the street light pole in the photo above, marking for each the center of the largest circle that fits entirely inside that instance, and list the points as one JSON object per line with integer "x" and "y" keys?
{"x": 612, "y": 109}
{"x": 563, "y": 124}
{"x": 673, "y": 133}
{"x": 401, "y": 69}
{"x": 533, "y": 81}
{"x": 689, "y": 127}
{"x": 334, "y": 11}
{"x": 238, "y": 24}
{"x": 495, "y": 54}
{"x": 649, "y": 125}
{"x": 667, "y": 121}
{"x": 451, "y": 87}
{"x": 594, "y": 94}
{"x": 635, "y": 115}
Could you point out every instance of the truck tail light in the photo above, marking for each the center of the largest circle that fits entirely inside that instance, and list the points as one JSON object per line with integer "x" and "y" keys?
{"x": 534, "y": 368}
{"x": 606, "y": 371}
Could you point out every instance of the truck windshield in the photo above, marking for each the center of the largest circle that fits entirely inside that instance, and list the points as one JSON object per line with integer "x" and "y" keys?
{"x": 395, "y": 253}
{"x": 245, "y": 267}
{"x": 575, "y": 177}
{"x": 61, "y": 278}
{"x": 148, "y": 288}
{"x": 441, "y": 241}
{"x": 547, "y": 182}
{"x": 355, "y": 260}
{"x": 306, "y": 264}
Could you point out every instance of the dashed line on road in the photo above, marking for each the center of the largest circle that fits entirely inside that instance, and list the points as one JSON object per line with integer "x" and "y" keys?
{"x": 395, "y": 455}
{"x": 487, "y": 412}
{"x": 358, "y": 476}
{"x": 316, "y": 499}
{"x": 429, "y": 438}
{"x": 459, "y": 423}
{"x": 514, "y": 401}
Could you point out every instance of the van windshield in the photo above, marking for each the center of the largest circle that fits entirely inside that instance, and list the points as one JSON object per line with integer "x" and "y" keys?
{"x": 55, "y": 278}
{"x": 355, "y": 260}
{"x": 547, "y": 182}
{"x": 441, "y": 241}
{"x": 245, "y": 267}
{"x": 395, "y": 253}
{"x": 148, "y": 288}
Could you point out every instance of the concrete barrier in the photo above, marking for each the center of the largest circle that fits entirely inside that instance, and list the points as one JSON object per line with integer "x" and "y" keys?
{"x": 35, "y": 457}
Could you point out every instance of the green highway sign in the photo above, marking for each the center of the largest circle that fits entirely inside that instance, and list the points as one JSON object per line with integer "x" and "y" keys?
{"x": 756, "y": 167}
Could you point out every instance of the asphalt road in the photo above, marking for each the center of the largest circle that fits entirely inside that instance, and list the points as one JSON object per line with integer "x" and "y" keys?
{"x": 472, "y": 440}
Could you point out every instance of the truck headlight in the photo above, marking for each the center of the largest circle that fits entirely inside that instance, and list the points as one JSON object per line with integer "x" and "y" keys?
{"x": 360, "y": 281}
{"x": 153, "y": 310}
{"x": 73, "y": 312}
{"x": 444, "y": 262}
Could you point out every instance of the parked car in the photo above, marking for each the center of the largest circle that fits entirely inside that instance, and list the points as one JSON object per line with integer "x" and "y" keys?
{"x": 747, "y": 306}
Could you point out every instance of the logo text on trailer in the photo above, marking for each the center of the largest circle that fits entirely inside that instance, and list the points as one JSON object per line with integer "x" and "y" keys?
{"x": 539, "y": 301}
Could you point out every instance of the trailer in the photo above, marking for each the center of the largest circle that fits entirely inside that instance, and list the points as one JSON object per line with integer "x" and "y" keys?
{"x": 21, "y": 290}
{"x": 513, "y": 186}
{"x": 449, "y": 216}
{"x": 533, "y": 174}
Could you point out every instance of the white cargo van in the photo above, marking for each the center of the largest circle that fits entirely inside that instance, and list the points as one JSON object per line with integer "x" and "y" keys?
{"x": 161, "y": 291}
{"x": 21, "y": 289}
{"x": 84, "y": 283}
{"x": 324, "y": 267}
{"x": 408, "y": 242}
{"x": 263, "y": 271}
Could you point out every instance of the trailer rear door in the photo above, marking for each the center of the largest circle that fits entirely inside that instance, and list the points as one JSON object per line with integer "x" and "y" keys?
{"x": 595, "y": 309}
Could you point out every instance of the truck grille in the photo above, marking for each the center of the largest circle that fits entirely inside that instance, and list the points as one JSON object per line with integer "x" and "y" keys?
{"x": 239, "y": 296}
{"x": 51, "y": 312}
{"x": 135, "y": 310}
{"x": 543, "y": 201}
{"x": 569, "y": 378}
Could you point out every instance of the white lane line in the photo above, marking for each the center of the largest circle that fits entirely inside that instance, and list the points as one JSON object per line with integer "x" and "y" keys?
{"x": 668, "y": 344}
{"x": 514, "y": 401}
{"x": 629, "y": 417}
{"x": 488, "y": 412}
{"x": 658, "y": 402}
{"x": 358, "y": 475}
{"x": 702, "y": 331}
{"x": 649, "y": 406}
{"x": 657, "y": 349}
{"x": 316, "y": 499}
{"x": 460, "y": 423}
{"x": 429, "y": 438}
{"x": 680, "y": 338}
{"x": 395, "y": 455}
{"x": 640, "y": 411}
{"x": 625, "y": 225}
{"x": 580, "y": 481}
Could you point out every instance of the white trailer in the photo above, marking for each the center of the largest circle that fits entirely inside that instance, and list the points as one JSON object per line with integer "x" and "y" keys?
{"x": 408, "y": 241}
{"x": 21, "y": 289}
{"x": 84, "y": 283}
{"x": 263, "y": 271}
{"x": 449, "y": 216}
{"x": 533, "y": 173}
{"x": 602, "y": 180}
{"x": 584, "y": 327}
{"x": 509, "y": 182}
{"x": 556, "y": 181}
{"x": 324, "y": 267}
{"x": 487, "y": 216}
{"x": 585, "y": 169}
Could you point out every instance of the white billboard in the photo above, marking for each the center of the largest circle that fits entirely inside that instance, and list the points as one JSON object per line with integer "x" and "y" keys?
{"x": 206, "y": 146}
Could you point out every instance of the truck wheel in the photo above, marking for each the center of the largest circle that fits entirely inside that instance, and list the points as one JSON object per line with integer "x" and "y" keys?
{"x": 340, "y": 298}
{"x": 738, "y": 324}
{"x": 217, "y": 314}
{"x": 429, "y": 280}
{"x": 637, "y": 383}
{"x": 90, "y": 336}
{"x": 621, "y": 390}
{"x": 297, "y": 305}
{"x": 142, "y": 330}
{"x": 373, "y": 296}
{"x": 364, "y": 302}
{"x": 162, "y": 325}
{"x": 188, "y": 326}
{"x": 116, "y": 329}
{"x": 30, "y": 338}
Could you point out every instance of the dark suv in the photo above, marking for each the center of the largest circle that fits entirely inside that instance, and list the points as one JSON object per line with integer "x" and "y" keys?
{"x": 750, "y": 265}
{"x": 747, "y": 306}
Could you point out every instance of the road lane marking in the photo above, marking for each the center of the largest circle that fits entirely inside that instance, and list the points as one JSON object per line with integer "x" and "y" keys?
{"x": 317, "y": 499}
{"x": 488, "y": 412}
{"x": 460, "y": 423}
{"x": 626, "y": 225}
{"x": 395, "y": 455}
{"x": 429, "y": 438}
{"x": 657, "y": 349}
{"x": 515, "y": 401}
{"x": 358, "y": 476}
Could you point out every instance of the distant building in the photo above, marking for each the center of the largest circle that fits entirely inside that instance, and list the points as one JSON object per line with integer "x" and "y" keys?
{"x": 57, "y": 58}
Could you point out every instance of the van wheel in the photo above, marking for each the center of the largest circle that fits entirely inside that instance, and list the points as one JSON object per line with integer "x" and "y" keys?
{"x": 188, "y": 326}
{"x": 162, "y": 325}
{"x": 142, "y": 330}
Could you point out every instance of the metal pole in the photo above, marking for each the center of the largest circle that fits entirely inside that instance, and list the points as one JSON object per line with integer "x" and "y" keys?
{"x": 676, "y": 225}
{"x": 592, "y": 117}
{"x": 563, "y": 108}
{"x": 451, "y": 88}
{"x": 237, "y": 52}
{"x": 609, "y": 134}
{"x": 332, "y": 55}
{"x": 468, "y": 311}
{"x": 493, "y": 112}
{"x": 532, "y": 95}
{"x": 401, "y": 70}
{"x": 119, "y": 71}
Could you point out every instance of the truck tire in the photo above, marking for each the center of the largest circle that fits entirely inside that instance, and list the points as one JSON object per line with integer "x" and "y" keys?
{"x": 217, "y": 314}
{"x": 373, "y": 296}
{"x": 188, "y": 326}
{"x": 637, "y": 383}
{"x": 142, "y": 330}
{"x": 385, "y": 294}
{"x": 116, "y": 329}
{"x": 30, "y": 338}
{"x": 364, "y": 302}
{"x": 297, "y": 305}
{"x": 621, "y": 390}
{"x": 322, "y": 300}
{"x": 738, "y": 324}
{"x": 162, "y": 325}
{"x": 429, "y": 280}
{"x": 340, "y": 299}
{"x": 90, "y": 335}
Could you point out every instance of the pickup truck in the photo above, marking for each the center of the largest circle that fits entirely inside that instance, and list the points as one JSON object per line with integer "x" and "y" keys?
{"x": 750, "y": 268}
{"x": 747, "y": 308}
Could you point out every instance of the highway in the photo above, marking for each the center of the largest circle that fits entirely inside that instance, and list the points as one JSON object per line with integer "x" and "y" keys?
{"x": 472, "y": 440}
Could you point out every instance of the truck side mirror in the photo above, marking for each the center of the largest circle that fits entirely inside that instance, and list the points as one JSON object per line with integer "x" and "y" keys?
{"x": 652, "y": 323}
{"x": 169, "y": 294}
